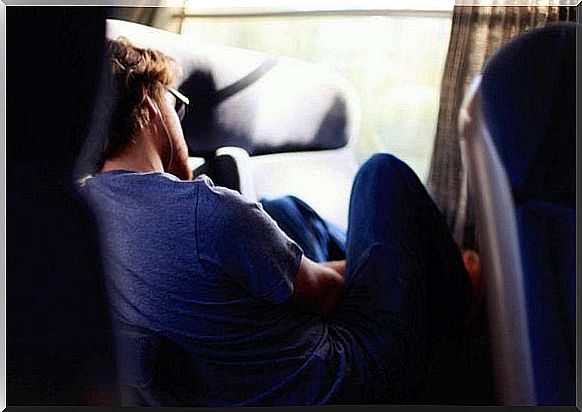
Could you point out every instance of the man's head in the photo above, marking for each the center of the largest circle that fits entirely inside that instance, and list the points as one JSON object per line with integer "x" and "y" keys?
{"x": 144, "y": 107}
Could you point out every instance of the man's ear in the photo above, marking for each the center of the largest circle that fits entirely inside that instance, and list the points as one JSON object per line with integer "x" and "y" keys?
{"x": 153, "y": 108}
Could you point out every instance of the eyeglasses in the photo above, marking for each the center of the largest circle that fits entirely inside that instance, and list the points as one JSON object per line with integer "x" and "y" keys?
{"x": 182, "y": 102}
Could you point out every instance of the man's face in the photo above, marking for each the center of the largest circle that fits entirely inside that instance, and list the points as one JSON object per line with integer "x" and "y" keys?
{"x": 175, "y": 146}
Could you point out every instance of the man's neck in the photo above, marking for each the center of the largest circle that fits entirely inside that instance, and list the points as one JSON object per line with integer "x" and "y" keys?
{"x": 139, "y": 157}
{"x": 130, "y": 165}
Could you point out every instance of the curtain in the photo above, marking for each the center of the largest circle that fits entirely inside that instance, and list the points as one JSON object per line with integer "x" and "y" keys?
{"x": 154, "y": 13}
{"x": 477, "y": 31}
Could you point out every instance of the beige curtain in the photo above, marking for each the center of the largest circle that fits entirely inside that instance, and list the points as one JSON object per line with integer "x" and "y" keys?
{"x": 154, "y": 13}
{"x": 477, "y": 31}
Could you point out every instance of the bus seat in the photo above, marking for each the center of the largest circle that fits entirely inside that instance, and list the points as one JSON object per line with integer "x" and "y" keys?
{"x": 296, "y": 120}
{"x": 57, "y": 347}
{"x": 152, "y": 370}
{"x": 518, "y": 144}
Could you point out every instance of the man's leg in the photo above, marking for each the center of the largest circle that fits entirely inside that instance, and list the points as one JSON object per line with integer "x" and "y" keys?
{"x": 320, "y": 240}
{"x": 404, "y": 271}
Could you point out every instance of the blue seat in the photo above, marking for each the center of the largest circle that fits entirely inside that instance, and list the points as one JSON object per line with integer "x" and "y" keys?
{"x": 518, "y": 139}
{"x": 152, "y": 370}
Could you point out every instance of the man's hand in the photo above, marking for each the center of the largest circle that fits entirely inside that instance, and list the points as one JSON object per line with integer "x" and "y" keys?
{"x": 337, "y": 265}
{"x": 318, "y": 287}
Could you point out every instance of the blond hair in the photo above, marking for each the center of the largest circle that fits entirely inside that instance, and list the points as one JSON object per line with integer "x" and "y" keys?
{"x": 136, "y": 74}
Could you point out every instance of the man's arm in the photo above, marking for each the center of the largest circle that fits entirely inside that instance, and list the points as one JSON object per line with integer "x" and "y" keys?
{"x": 318, "y": 287}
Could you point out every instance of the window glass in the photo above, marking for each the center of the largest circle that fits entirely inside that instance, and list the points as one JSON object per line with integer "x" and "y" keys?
{"x": 394, "y": 61}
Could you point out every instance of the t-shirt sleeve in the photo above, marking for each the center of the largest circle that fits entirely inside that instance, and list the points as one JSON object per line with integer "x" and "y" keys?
{"x": 239, "y": 238}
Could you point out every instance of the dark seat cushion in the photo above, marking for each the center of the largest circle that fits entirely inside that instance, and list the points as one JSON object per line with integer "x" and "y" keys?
{"x": 547, "y": 240}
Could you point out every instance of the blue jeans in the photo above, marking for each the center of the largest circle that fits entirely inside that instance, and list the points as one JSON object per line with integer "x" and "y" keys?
{"x": 405, "y": 282}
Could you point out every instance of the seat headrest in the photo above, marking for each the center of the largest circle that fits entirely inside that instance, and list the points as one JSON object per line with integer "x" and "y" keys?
{"x": 262, "y": 103}
{"x": 528, "y": 97}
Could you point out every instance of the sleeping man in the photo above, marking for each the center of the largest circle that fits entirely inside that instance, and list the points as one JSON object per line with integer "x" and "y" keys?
{"x": 215, "y": 273}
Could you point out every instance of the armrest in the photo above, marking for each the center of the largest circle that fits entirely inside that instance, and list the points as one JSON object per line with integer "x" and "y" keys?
{"x": 234, "y": 167}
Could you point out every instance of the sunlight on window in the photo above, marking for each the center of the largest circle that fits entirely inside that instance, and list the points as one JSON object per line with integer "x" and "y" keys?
{"x": 395, "y": 64}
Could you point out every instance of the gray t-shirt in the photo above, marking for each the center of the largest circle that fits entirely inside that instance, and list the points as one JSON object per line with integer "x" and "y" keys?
{"x": 212, "y": 271}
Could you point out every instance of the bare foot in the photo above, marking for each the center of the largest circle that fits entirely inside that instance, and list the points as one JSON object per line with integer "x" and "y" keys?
{"x": 473, "y": 266}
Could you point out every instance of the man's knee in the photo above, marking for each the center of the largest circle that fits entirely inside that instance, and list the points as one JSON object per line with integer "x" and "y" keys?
{"x": 385, "y": 168}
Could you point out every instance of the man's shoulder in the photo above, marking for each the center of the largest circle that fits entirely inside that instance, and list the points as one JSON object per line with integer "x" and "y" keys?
{"x": 226, "y": 197}
{"x": 166, "y": 190}
{"x": 121, "y": 179}
{"x": 221, "y": 205}
{"x": 128, "y": 188}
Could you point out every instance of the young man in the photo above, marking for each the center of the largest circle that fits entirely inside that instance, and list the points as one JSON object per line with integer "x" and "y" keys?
{"x": 213, "y": 272}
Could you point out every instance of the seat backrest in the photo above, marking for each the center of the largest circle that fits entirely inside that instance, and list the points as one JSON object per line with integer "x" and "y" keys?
{"x": 152, "y": 370}
{"x": 58, "y": 343}
{"x": 518, "y": 128}
{"x": 528, "y": 97}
